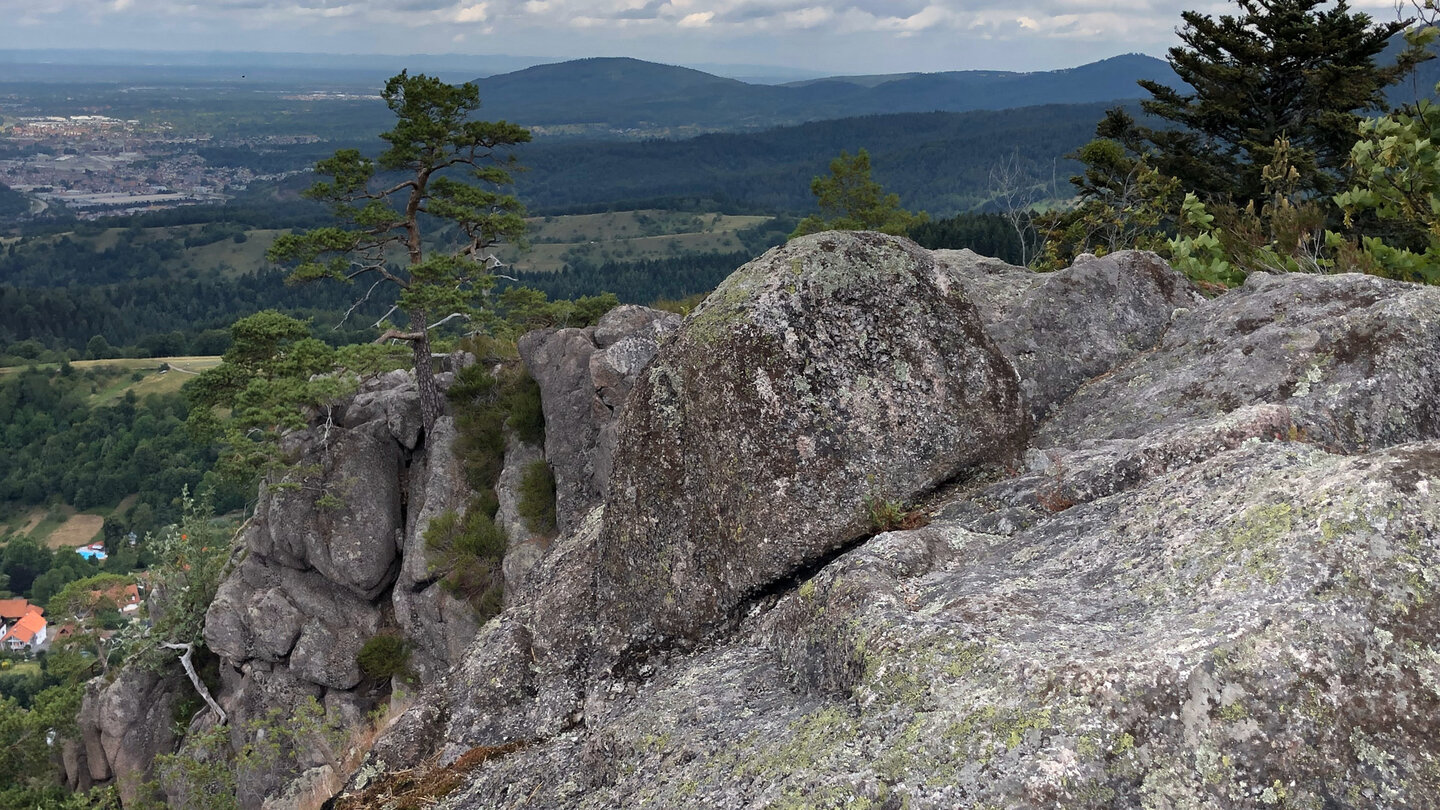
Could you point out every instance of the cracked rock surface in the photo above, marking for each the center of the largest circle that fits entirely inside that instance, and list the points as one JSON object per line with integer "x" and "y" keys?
{"x": 1205, "y": 577}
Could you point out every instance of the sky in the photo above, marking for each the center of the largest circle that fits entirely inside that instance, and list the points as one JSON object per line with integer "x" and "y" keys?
{"x": 830, "y": 36}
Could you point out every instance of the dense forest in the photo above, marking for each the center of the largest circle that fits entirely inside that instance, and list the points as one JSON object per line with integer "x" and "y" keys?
{"x": 61, "y": 445}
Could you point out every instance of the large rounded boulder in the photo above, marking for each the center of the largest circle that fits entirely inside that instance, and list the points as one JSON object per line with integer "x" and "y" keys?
{"x": 832, "y": 377}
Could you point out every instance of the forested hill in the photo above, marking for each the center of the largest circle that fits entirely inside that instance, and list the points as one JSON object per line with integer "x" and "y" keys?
{"x": 616, "y": 94}
{"x": 938, "y": 162}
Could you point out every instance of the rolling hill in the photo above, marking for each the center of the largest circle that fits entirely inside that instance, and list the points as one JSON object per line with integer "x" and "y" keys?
{"x": 589, "y": 97}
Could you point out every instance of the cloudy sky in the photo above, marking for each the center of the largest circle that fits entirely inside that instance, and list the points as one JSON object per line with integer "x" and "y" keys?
{"x": 837, "y": 36}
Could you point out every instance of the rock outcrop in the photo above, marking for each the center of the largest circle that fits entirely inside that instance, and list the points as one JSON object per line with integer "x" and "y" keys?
{"x": 828, "y": 379}
{"x": 585, "y": 375}
{"x": 336, "y": 550}
{"x": 124, "y": 725}
{"x": 1207, "y": 579}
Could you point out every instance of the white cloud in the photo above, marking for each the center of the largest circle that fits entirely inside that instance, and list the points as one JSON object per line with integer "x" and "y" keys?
{"x": 469, "y": 14}
{"x": 908, "y": 34}
{"x": 699, "y": 19}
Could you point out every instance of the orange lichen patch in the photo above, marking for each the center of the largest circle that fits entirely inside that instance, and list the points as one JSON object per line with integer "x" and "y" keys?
{"x": 421, "y": 788}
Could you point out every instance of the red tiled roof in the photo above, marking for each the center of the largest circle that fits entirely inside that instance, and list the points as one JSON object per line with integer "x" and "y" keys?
{"x": 26, "y": 628}
{"x": 11, "y": 609}
{"x": 121, "y": 595}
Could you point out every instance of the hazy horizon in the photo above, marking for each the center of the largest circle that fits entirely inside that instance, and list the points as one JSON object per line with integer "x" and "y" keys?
{"x": 826, "y": 37}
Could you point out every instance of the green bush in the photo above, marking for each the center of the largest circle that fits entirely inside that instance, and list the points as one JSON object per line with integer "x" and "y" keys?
{"x": 385, "y": 656}
{"x": 527, "y": 418}
{"x": 537, "y": 498}
{"x": 469, "y": 551}
{"x": 484, "y": 405}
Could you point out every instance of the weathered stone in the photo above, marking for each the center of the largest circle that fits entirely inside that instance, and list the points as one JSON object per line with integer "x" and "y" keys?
{"x": 837, "y": 371}
{"x": 393, "y": 399}
{"x": 337, "y": 511}
{"x": 585, "y": 376}
{"x": 88, "y": 722}
{"x": 268, "y": 697}
{"x": 133, "y": 722}
{"x": 518, "y": 457}
{"x": 1061, "y": 329}
{"x": 1356, "y": 359}
{"x": 1249, "y": 631}
{"x": 76, "y": 768}
{"x": 437, "y": 626}
{"x": 336, "y": 625}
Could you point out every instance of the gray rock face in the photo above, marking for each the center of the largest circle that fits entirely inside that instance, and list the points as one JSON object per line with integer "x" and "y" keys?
{"x": 338, "y": 511}
{"x": 125, "y": 724}
{"x": 838, "y": 371}
{"x": 585, "y": 375}
{"x": 1231, "y": 635}
{"x": 333, "y": 555}
{"x": 438, "y": 625}
{"x": 1208, "y": 580}
{"x": 1061, "y": 329}
{"x": 337, "y": 552}
{"x": 524, "y": 549}
{"x": 1355, "y": 357}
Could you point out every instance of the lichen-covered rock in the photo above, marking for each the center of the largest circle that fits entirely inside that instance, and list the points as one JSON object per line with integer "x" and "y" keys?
{"x": 585, "y": 375}
{"x": 437, "y": 626}
{"x": 125, "y": 723}
{"x": 840, "y": 371}
{"x": 1356, "y": 358}
{"x": 337, "y": 510}
{"x": 525, "y": 547}
{"x": 1209, "y": 581}
{"x": 1061, "y": 329}
{"x": 1255, "y": 630}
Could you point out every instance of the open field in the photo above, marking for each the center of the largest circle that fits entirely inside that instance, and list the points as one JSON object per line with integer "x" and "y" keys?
{"x": 151, "y": 381}
{"x": 625, "y": 236}
{"x": 612, "y": 236}
{"x": 60, "y": 526}
{"x": 77, "y": 530}
{"x": 32, "y": 520}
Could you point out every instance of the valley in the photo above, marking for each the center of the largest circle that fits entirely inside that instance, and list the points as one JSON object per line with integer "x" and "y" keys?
{"x": 610, "y": 433}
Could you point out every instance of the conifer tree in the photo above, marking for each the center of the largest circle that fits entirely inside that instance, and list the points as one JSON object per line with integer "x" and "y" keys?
{"x": 1281, "y": 69}
{"x": 851, "y": 201}
{"x": 441, "y": 169}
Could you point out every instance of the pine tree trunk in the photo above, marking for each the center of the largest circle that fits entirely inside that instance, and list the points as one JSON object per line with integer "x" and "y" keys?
{"x": 431, "y": 406}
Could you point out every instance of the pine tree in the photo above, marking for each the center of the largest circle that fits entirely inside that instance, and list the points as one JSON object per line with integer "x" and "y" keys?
{"x": 851, "y": 201}
{"x": 441, "y": 169}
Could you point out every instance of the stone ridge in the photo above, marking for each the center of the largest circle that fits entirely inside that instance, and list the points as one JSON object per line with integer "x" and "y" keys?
{"x": 837, "y": 371}
{"x": 1180, "y": 553}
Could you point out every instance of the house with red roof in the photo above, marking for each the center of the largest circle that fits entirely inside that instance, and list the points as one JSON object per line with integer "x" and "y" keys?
{"x": 125, "y": 597}
{"x": 25, "y": 633}
{"x": 15, "y": 609}
{"x": 22, "y": 625}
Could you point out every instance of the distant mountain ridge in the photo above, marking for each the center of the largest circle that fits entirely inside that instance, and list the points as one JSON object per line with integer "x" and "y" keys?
{"x": 620, "y": 95}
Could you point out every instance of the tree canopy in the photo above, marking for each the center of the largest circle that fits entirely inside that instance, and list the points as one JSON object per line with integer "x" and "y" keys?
{"x": 851, "y": 201}
{"x": 441, "y": 169}
{"x": 1291, "y": 69}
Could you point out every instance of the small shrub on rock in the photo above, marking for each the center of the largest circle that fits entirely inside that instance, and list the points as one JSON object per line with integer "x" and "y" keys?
{"x": 469, "y": 551}
{"x": 384, "y": 657}
{"x": 537, "y": 498}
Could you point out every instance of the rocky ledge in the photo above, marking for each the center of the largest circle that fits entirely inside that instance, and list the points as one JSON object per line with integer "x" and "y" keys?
{"x": 891, "y": 528}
